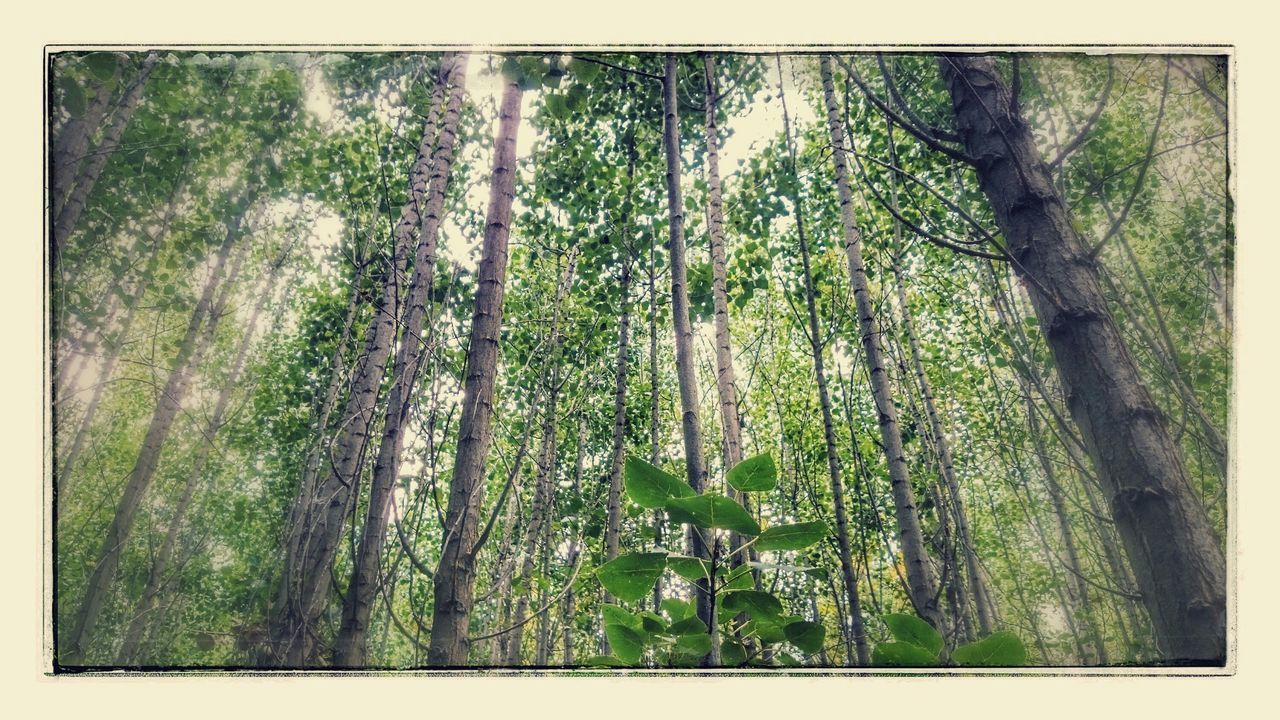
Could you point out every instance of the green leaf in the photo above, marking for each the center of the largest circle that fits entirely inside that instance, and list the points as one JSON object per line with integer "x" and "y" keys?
{"x": 755, "y": 603}
{"x": 740, "y": 578}
{"x": 555, "y": 106}
{"x": 696, "y": 645}
{"x": 614, "y": 615}
{"x": 631, "y": 577}
{"x": 732, "y": 653}
{"x": 603, "y": 661}
{"x": 576, "y": 98}
{"x": 652, "y": 623}
{"x": 792, "y": 537}
{"x": 911, "y": 629}
{"x": 755, "y": 474}
{"x": 678, "y": 609}
{"x": 583, "y": 71}
{"x": 626, "y": 643}
{"x": 716, "y": 511}
{"x": 650, "y": 486}
{"x": 690, "y": 568}
{"x": 688, "y": 626}
{"x": 72, "y": 96}
{"x": 808, "y": 636}
{"x": 1000, "y": 649}
{"x": 900, "y": 654}
{"x": 102, "y": 65}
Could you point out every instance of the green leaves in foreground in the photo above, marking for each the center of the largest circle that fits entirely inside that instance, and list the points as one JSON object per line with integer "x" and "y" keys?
{"x": 630, "y": 577}
{"x": 650, "y": 486}
{"x": 918, "y": 645}
{"x": 914, "y": 631}
{"x": 755, "y": 474}
{"x": 715, "y": 511}
{"x": 1000, "y": 649}
{"x": 792, "y": 537}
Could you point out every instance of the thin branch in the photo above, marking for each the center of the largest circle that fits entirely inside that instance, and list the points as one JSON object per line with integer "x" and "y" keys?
{"x": 1093, "y": 118}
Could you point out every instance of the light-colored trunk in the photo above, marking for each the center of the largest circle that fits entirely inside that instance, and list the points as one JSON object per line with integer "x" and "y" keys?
{"x": 351, "y": 645}
{"x": 455, "y": 579}
{"x": 922, "y": 583}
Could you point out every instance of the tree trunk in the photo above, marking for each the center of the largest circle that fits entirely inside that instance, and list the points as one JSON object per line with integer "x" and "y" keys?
{"x": 351, "y": 644}
{"x": 129, "y": 650}
{"x": 308, "y": 572}
{"x": 847, "y": 571}
{"x": 455, "y": 580}
{"x": 543, "y": 506}
{"x": 686, "y": 370}
{"x": 167, "y": 406}
{"x": 921, "y": 581}
{"x": 70, "y": 213}
{"x": 1171, "y": 546}
{"x": 72, "y": 144}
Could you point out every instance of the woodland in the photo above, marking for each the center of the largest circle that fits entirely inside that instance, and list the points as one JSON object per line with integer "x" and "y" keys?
{"x": 659, "y": 360}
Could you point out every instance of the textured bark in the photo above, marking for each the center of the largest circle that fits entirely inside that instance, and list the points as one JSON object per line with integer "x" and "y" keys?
{"x": 455, "y": 580}
{"x": 72, "y": 144}
{"x": 567, "y": 611}
{"x": 686, "y": 370}
{"x": 1171, "y": 546}
{"x": 143, "y": 472}
{"x": 352, "y": 637}
{"x": 847, "y": 572}
{"x": 613, "y": 518}
{"x": 659, "y": 523}
{"x": 70, "y": 213}
{"x": 922, "y": 584}
{"x": 308, "y": 570}
{"x": 543, "y": 506}
{"x": 142, "y": 612}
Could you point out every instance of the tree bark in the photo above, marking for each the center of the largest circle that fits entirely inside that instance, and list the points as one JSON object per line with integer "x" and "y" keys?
{"x": 1171, "y": 546}
{"x": 308, "y": 571}
{"x": 455, "y": 580}
{"x": 72, "y": 144}
{"x": 921, "y": 581}
{"x": 685, "y": 368}
{"x": 351, "y": 644}
{"x": 70, "y": 213}
{"x": 847, "y": 571}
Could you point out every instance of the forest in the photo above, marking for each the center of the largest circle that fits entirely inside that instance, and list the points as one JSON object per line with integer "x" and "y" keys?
{"x": 655, "y": 360}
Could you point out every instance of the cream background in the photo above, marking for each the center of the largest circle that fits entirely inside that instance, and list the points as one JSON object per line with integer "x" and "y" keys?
{"x": 24, "y": 688}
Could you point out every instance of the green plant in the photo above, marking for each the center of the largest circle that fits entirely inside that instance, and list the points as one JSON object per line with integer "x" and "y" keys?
{"x": 917, "y": 644}
{"x": 748, "y": 620}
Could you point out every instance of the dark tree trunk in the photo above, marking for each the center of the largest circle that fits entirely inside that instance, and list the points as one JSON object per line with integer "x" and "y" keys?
{"x": 1171, "y": 546}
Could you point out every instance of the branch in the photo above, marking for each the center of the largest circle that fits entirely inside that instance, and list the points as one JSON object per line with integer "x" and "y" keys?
{"x": 632, "y": 71}
{"x": 937, "y": 132}
{"x": 567, "y": 586}
{"x": 1088, "y": 125}
{"x": 923, "y": 136}
{"x": 1142, "y": 173}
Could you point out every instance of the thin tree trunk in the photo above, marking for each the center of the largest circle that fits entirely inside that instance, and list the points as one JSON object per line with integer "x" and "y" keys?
{"x": 455, "y": 580}
{"x": 167, "y": 406}
{"x": 543, "y": 506}
{"x": 351, "y": 644}
{"x": 1171, "y": 546}
{"x": 847, "y": 570}
{"x": 129, "y": 649}
{"x": 70, "y": 213}
{"x": 685, "y": 367}
{"x": 567, "y": 619}
{"x": 921, "y": 581}
{"x": 308, "y": 571}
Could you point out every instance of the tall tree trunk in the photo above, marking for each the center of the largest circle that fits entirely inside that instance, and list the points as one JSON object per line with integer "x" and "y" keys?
{"x": 167, "y": 406}
{"x": 129, "y": 649}
{"x": 351, "y": 644}
{"x": 613, "y": 517}
{"x": 543, "y": 506}
{"x": 566, "y": 616}
{"x": 70, "y": 213}
{"x": 455, "y": 580}
{"x": 921, "y": 581}
{"x": 1171, "y": 546}
{"x": 847, "y": 570}
{"x": 72, "y": 144}
{"x": 659, "y": 521}
{"x": 686, "y": 370}
{"x": 308, "y": 571}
